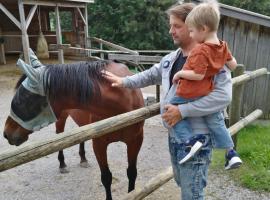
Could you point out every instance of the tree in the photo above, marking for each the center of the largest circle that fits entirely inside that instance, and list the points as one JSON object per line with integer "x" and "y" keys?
{"x": 136, "y": 24}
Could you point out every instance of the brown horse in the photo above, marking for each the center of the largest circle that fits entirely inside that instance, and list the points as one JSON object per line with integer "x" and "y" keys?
{"x": 78, "y": 90}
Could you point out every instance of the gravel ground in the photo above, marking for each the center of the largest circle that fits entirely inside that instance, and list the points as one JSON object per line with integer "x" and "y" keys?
{"x": 40, "y": 179}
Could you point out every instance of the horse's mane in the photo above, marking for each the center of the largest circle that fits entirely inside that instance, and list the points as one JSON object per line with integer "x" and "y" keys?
{"x": 77, "y": 80}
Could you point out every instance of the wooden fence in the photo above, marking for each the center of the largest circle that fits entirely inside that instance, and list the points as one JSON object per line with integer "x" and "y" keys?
{"x": 35, "y": 150}
{"x": 250, "y": 44}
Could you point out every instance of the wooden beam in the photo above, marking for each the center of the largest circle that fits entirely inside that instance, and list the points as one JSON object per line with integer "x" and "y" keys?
{"x": 25, "y": 39}
{"x": 59, "y": 35}
{"x": 30, "y": 16}
{"x": 167, "y": 174}
{"x": 59, "y": 46}
{"x": 69, "y": 47}
{"x": 81, "y": 15}
{"x": 135, "y": 58}
{"x": 86, "y": 32}
{"x": 34, "y": 150}
{"x": 2, "y": 54}
{"x": 115, "y": 46}
{"x": 54, "y": 3}
{"x": 10, "y": 16}
{"x": 249, "y": 76}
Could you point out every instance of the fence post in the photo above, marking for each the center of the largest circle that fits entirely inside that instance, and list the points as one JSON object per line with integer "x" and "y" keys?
{"x": 101, "y": 48}
{"x": 157, "y": 93}
{"x": 235, "y": 107}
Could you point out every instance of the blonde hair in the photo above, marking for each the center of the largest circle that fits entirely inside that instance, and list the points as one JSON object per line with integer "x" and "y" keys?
{"x": 205, "y": 14}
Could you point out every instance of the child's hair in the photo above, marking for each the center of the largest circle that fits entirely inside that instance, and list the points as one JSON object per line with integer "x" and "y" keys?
{"x": 205, "y": 14}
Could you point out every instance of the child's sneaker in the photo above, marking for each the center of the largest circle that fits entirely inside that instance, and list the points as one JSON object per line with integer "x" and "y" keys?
{"x": 233, "y": 160}
{"x": 195, "y": 144}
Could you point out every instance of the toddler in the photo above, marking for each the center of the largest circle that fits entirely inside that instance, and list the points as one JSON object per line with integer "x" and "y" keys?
{"x": 196, "y": 78}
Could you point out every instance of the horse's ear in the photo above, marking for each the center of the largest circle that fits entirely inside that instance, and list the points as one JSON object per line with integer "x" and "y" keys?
{"x": 29, "y": 71}
{"x": 33, "y": 59}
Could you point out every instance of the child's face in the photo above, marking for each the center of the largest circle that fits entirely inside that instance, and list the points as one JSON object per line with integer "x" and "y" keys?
{"x": 198, "y": 34}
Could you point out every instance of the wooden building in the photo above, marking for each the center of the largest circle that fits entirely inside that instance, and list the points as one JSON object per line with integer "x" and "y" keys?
{"x": 21, "y": 21}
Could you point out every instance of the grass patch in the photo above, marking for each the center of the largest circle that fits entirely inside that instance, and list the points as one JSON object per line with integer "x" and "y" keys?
{"x": 254, "y": 149}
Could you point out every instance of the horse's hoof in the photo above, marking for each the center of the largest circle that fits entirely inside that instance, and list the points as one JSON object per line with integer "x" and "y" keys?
{"x": 84, "y": 164}
{"x": 63, "y": 170}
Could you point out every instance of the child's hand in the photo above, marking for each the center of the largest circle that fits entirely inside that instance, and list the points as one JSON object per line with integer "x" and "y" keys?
{"x": 115, "y": 80}
{"x": 176, "y": 79}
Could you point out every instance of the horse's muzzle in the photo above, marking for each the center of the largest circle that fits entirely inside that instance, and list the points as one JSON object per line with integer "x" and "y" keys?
{"x": 14, "y": 141}
{"x": 5, "y": 135}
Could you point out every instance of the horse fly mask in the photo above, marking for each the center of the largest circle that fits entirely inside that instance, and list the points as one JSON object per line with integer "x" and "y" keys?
{"x": 30, "y": 106}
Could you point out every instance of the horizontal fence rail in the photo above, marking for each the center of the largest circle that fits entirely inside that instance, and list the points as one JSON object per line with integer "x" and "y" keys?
{"x": 249, "y": 76}
{"x": 35, "y": 150}
{"x": 115, "y": 46}
{"x": 167, "y": 174}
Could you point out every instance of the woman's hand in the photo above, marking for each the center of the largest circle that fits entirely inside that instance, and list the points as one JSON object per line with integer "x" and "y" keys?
{"x": 115, "y": 80}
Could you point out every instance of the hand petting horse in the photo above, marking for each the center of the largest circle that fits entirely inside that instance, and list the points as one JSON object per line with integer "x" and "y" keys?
{"x": 49, "y": 93}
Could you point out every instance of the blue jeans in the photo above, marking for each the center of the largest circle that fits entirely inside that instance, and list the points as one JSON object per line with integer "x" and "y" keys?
{"x": 192, "y": 175}
{"x": 219, "y": 134}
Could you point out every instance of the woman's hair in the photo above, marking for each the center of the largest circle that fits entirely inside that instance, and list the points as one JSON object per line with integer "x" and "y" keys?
{"x": 181, "y": 11}
{"x": 205, "y": 14}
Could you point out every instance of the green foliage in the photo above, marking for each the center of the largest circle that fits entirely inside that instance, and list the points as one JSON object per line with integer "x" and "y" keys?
{"x": 140, "y": 24}
{"x": 65, "y": 20}
{"x": 261, "y": 6}
{"x": 254, "y": 149}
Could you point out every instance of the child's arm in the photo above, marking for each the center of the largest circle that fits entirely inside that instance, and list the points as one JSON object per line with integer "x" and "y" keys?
{"x": 187, "y": 74}
{"x": 232, "y": 64}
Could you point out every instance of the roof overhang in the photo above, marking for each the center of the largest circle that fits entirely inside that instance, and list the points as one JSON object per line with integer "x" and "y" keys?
{"x": 66, "y": 3}
{"x": 242, "y": 14}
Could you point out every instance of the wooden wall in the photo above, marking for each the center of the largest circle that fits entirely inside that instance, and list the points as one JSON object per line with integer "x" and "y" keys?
{"x": 250, "y": 44}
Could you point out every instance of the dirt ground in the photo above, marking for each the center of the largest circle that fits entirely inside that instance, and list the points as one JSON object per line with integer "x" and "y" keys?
{"x": 40, "y": 179}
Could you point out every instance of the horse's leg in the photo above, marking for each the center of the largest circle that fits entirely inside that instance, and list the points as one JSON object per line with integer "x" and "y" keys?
{"x": 84, "y": 163}
{"x": 81, "y": 118}
{"x": 60, "y": 125}
{"x": 100, "y": 150}
{"x": 133, "y": 148}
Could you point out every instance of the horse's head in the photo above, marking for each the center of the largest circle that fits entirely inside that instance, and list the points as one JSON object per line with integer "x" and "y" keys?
{"x": 30, "y": 110}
